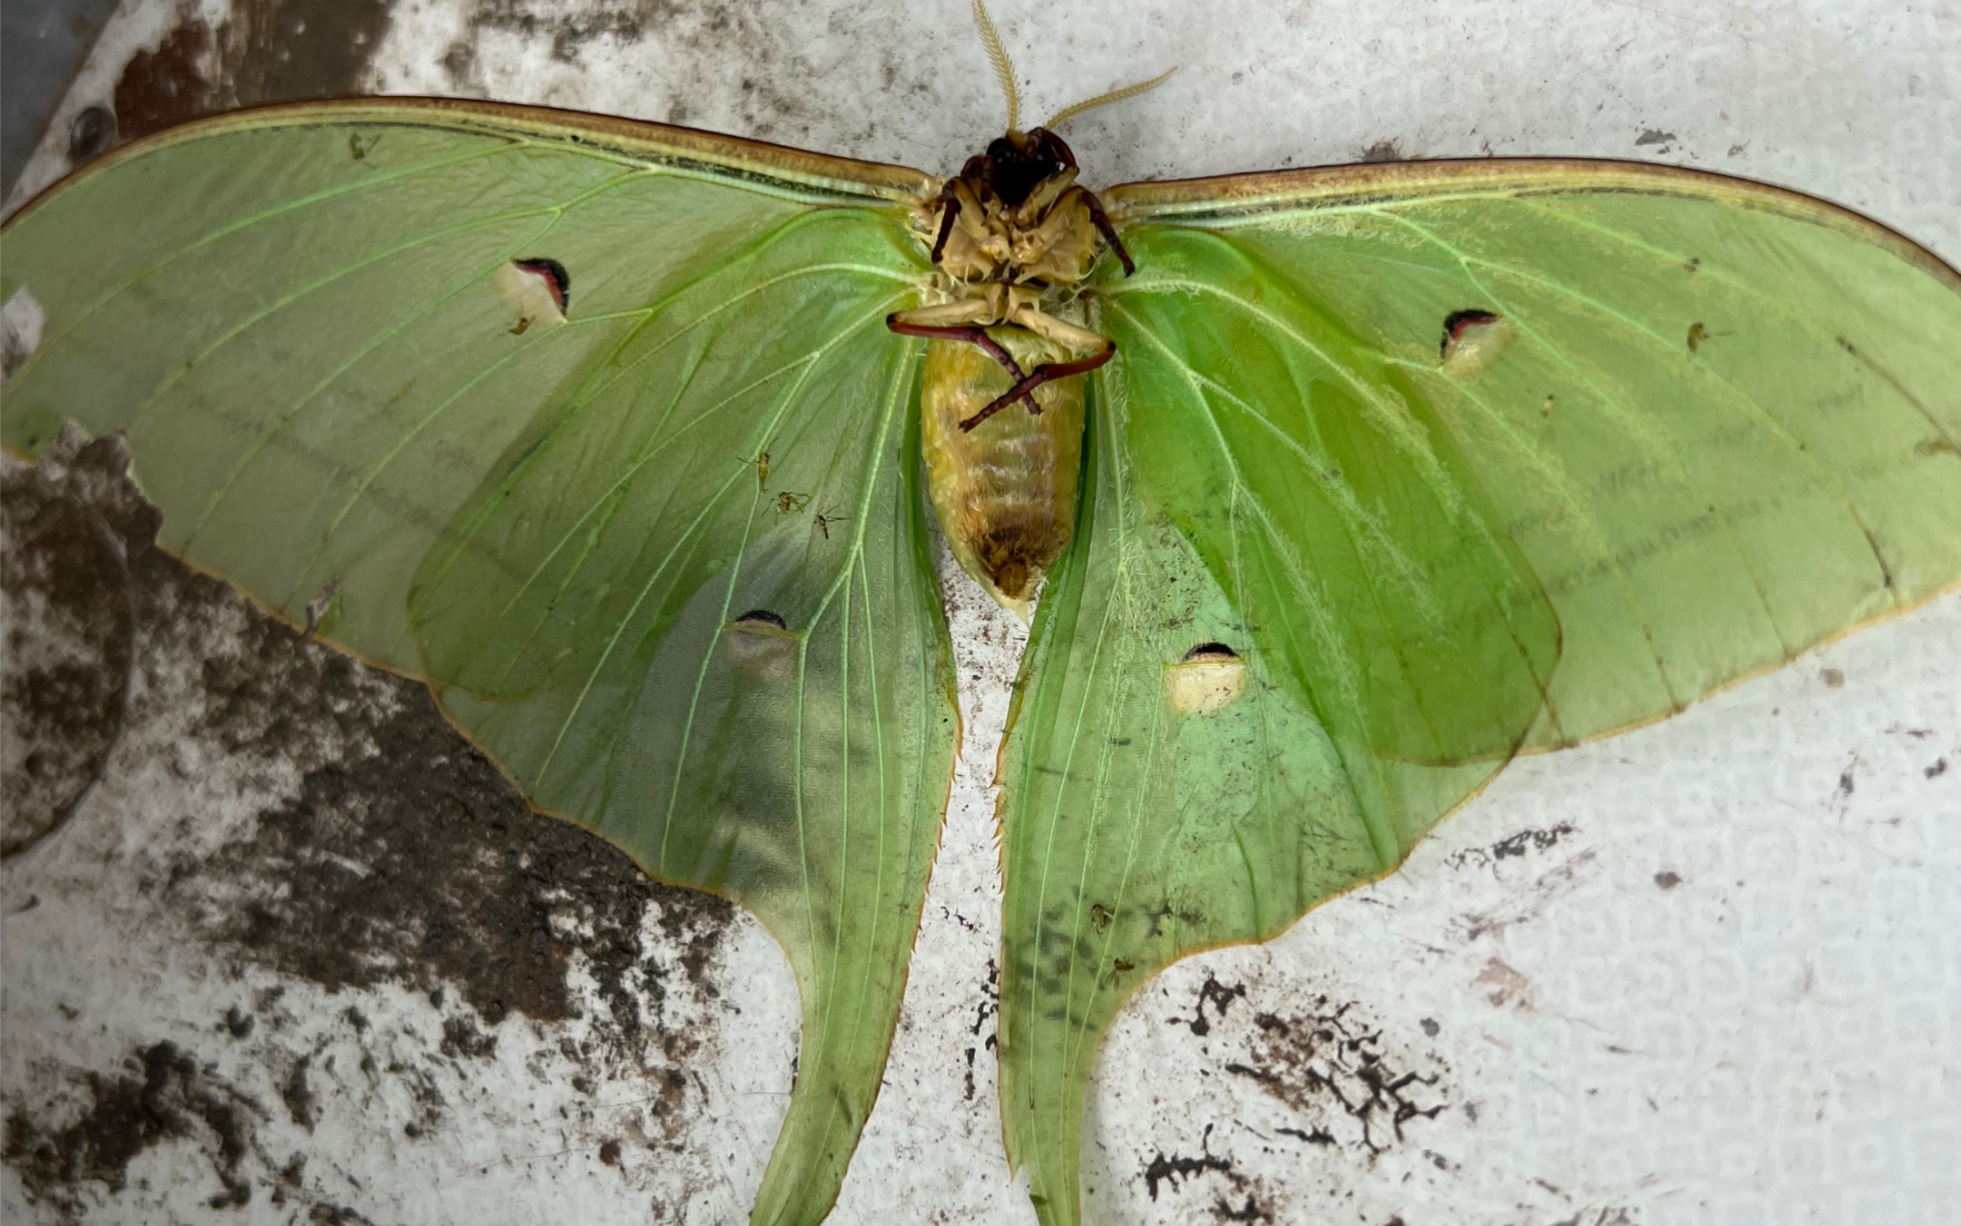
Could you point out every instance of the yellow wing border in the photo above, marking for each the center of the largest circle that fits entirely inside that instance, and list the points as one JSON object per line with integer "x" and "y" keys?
{"x": 1220, "y": 201}
{"x": 816, "y": 178}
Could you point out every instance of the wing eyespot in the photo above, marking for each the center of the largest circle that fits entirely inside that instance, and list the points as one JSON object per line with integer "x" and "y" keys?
{"x": 538, "y": 291}
{"x": 1472, "y": 340}
{"x": 761, "y": 645}
{"x": 1207, "y": 679}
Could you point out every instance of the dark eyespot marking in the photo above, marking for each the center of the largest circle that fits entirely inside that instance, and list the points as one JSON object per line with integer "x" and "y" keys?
{"x": 537, "y": 291}
{"x": 1457, "y": 325}
{"x": 553, "y": 273}
{"x": 1472, "y": 340}
{"x": 1210, "y": 653}
{"x": 762, "y": 647}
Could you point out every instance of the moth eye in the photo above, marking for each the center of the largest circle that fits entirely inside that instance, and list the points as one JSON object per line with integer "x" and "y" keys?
{"x": 1472, "y": 341}
{"x": 537, "y": 290}
{"x": 762, "y": 646}
{"x": 1209, "y": 678}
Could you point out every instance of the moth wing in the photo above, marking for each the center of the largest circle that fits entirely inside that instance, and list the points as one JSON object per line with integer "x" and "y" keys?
{"x": 1441, "y": 456}
{"x": 501, "y": 381}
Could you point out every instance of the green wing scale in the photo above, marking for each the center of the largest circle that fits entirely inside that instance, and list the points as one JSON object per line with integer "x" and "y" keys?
{"x": 1687, "y": 428}
{"x": 1398, "y": 471}
{"x": 566, "y": 527}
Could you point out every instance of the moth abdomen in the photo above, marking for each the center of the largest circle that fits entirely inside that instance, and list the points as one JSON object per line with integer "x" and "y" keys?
{"x": 1005, "y": 490}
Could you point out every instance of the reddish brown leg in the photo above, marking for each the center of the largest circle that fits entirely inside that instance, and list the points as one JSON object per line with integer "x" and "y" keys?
{"x": 949, "y": 209}
{"x": 1102, "y": 222}
{"x": 974, "y": 335}
{"x": 1045, "y": 373}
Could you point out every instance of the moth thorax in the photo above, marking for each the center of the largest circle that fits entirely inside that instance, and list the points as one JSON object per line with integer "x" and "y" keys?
{"x": 1006, "y": 490}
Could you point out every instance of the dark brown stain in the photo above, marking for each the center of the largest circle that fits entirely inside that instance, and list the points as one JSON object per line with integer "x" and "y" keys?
{"x": 569, "y": 31}
{"x": 1667, "y": 880}
{"x": 66, "y": 678}
{"x": 1248, "y": 1210}
{"x": 1326, "y": 1058}
{"x": 269, "y": 51}
{"x": 163, "y": 88}
{"x": 1171, "y": 1169}
{"x": 1382, "y": 151}
{"x": 457, "y": 879}
{"x": 160, "y": 1094}
{"x": 1213, "y": 993}
{"x": 462, "y": 1037}
{"x": 298, "y": 1095}
{"x": 404, "y": 857}
{"x": 288, "y": 50}
{"x": 771, "y": 105}
{"x": 1246, "y": 1201}
{"x": 1512, "y": 846}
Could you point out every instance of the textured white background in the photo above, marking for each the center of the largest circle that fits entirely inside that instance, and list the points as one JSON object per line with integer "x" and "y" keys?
{"x": 1723, "y": 987}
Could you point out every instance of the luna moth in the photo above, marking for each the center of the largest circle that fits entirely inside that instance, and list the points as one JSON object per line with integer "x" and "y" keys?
{"x": 1148, "y": 533}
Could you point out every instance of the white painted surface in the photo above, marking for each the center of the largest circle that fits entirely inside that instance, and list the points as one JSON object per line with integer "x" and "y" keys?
{"x": 1773, "y": 1039}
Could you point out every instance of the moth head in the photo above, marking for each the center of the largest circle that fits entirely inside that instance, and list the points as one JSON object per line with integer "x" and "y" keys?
{"x": 1020, "y": 162}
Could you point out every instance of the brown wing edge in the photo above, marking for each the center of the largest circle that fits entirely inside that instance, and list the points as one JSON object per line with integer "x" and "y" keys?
{"x": 819, "y": 177}
{"x": 1225, "y": 199}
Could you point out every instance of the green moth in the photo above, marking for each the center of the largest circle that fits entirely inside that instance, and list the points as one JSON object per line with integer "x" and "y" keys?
{"x": 1363, "y": 481}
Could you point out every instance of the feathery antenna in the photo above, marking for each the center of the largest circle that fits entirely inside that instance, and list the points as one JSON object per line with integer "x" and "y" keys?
{"x": 1003, "y": 71}
{"x": 1115, "y": 95}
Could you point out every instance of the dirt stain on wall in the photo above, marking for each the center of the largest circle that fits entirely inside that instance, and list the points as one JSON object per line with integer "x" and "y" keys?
{"x": 403, "y": 857}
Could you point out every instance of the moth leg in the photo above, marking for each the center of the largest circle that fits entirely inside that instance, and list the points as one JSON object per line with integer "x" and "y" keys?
{"x": 974, "y": 334}
{"x": 1058, "y": 332}
{"x": 949, "y": 209}
{"x": 1044, "y": 373}
{"x": 1101, "y": 221}
{"x": 957, "y": 321}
